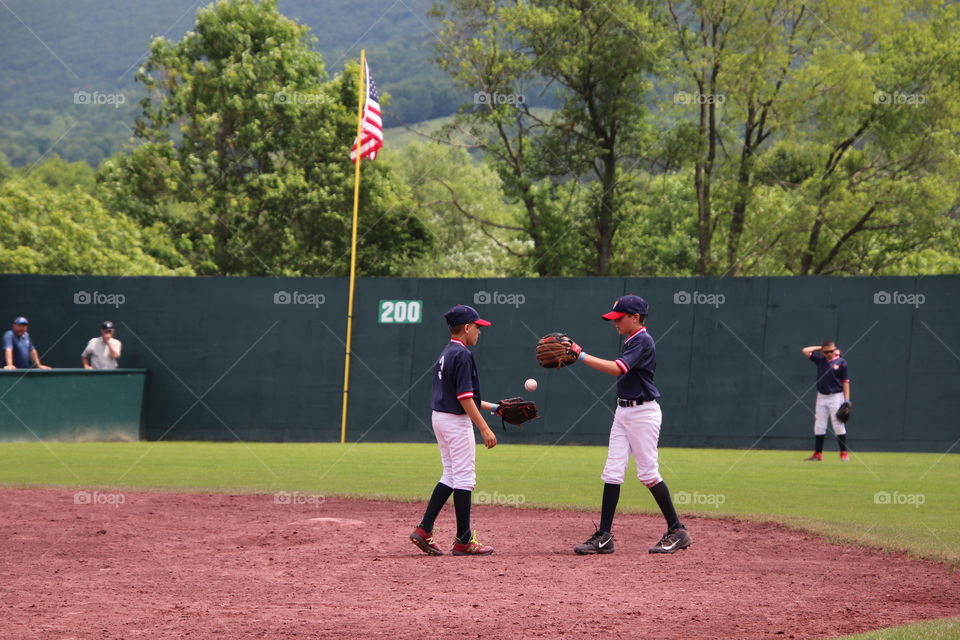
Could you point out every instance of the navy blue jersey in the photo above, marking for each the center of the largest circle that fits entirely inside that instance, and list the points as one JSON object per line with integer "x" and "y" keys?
{"x": 831, "y": 374}
{"x": 455, "y": 378}
{"x": 638, "y": 361}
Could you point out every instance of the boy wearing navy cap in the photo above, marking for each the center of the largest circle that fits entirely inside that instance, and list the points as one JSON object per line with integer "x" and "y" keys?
{"x": 636, "y": 427}
{"x": 456, "y": 408}
{"x": 833, "y": 389}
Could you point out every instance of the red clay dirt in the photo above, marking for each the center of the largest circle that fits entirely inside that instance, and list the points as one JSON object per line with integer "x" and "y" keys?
{"x": 165, "y": 565}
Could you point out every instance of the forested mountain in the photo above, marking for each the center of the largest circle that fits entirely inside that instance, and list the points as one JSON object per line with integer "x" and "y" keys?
{"x": 52, "y": 50}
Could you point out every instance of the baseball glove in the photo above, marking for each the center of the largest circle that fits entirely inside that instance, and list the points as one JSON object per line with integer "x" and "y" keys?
{"x": 556, "y": 350}
{"x": 516, "y": 411}
{"x": 843, "y": 413}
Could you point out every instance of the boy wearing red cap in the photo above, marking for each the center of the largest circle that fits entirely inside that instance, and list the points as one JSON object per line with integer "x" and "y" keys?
{"x": 636, "y": 427}
{"x": 456, "y": 408}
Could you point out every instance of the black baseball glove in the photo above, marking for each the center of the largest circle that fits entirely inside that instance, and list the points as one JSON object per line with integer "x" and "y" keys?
{"x": 556, "y": 350}
{"x": 516, "y": 411}
{"x": 843, "y": 413}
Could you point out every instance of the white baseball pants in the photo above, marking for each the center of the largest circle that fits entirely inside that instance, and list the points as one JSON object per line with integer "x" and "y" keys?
{"x": 636, "y": 432}
{"x": 826, "y": 409}
{"x": 458, "y": 449}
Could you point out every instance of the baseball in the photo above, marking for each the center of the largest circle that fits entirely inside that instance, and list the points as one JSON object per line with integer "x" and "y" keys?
{"x": 530, "y": 384}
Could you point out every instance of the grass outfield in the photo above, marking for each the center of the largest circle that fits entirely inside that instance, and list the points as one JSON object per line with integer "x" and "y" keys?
{"x": 948, "y": 629}
{"x": 894, "y": 501}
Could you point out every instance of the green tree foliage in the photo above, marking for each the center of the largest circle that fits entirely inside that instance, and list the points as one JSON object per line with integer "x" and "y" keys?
{"x": 243, "y": 154}
{"x": 824, "y": 136}
{"x": 476, "y": 233}
{"x": 570, "y": 169}
{"x": 50, "y": 223}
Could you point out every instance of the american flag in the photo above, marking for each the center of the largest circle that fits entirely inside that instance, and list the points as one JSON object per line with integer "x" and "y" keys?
{"x": 371, "y": 135}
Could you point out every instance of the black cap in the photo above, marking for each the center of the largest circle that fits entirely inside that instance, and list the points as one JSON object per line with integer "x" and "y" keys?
{"x": 106, "y": 325}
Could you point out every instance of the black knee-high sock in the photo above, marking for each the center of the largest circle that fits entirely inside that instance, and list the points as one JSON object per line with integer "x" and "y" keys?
{"x": 611, "y": 495}
{"x": 843, "y": 442}
{"x": 819, "y": 444}
{"x": 441, "y": 493}
{"x": 461, "y": 502}
{"x": 662, "y": 495}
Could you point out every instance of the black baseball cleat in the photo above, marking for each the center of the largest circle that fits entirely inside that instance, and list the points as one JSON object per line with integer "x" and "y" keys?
{"x": 599, "y": 542}
{"x": 672, "y": 541}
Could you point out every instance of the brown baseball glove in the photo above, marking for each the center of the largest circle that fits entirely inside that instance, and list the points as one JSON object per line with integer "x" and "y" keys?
{"x": 556, "y": 350}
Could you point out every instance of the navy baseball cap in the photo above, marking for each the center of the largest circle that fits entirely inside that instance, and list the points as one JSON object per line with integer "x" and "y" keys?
{"x": 106, "y": 325}
{"x": 627, "y": 305}
{"x": 20, "y": 320}
{"x": 462, "y": 314}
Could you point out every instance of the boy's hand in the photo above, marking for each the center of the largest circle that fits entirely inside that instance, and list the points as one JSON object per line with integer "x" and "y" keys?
{"x": 489, "y": 437}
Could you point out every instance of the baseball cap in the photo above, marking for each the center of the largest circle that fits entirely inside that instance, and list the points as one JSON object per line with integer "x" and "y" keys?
{"x": 20, "y": 320}
{"x": 106, "y": 325}
{"x": 462, "y": 314}
{"x": 627, "y": 305}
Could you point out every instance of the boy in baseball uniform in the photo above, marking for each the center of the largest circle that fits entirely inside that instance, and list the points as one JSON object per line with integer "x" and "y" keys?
{"x": 456, "y": 408}
{"x": 833, "y": 389}
{"x": 636, "y": 428}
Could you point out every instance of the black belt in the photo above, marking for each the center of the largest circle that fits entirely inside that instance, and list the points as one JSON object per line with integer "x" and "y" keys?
{"x": 622, "y": 402}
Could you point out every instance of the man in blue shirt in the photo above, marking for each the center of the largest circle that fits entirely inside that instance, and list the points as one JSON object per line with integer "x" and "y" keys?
{"x": 18, "y": 350}
{"x": 635, "y": 430}
{"x": 833, "y": 389}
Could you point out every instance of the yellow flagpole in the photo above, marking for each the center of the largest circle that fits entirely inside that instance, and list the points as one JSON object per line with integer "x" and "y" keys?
{"x": 353, "y": 249}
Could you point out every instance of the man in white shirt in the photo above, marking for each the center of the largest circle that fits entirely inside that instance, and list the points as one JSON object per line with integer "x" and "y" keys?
{"x": 102, "y": 352}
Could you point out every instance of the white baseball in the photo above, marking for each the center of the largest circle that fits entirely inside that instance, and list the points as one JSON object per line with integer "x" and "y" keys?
{"x": 530, "y": 384}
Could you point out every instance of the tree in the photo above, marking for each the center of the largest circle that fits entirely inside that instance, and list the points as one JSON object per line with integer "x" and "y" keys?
{"x": 65, "y": 230}
{"x": 568, "y": 168}
{"x": 243, "y": 154}
{"x": 795, "y": 159}
{"x": 460, "y": 202}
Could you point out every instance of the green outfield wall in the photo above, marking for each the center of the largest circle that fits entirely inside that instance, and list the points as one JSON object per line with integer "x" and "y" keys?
{"x": 262, "y": 358}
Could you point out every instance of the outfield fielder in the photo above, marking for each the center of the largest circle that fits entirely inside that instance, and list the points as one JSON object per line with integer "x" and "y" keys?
{"x": 635, "y": 430}
{"x": 833, "y": 389}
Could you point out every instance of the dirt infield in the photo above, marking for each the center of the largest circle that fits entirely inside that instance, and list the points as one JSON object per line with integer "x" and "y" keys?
{"x": 161, "y": 565}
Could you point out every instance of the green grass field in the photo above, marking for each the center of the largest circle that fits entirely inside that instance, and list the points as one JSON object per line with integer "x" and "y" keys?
{"x": 892, "y": 501}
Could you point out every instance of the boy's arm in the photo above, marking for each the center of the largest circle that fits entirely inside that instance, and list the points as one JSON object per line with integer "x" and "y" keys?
{"x": 606, "y": 366}
{"x": 489, "y": 438}
{"x": 809, "y": 350}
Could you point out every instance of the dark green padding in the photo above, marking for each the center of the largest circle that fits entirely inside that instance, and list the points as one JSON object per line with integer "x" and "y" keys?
{"x": 233, "y": 358}
{"x": 71, "y": 405}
